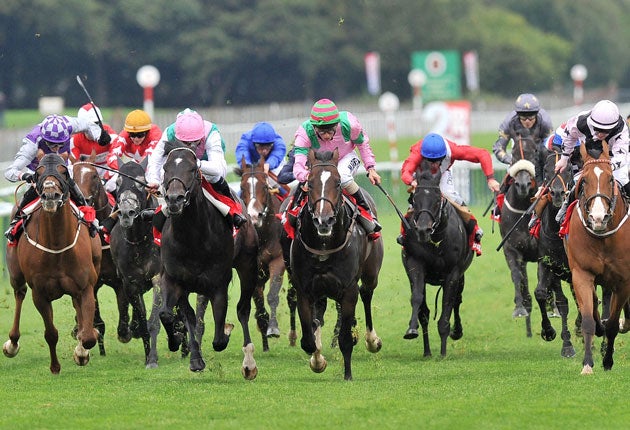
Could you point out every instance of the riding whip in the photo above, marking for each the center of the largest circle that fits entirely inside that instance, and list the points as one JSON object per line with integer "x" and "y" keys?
{"x": 489, "y": 205}
{"x": 98, "y": 166}
{"x": 100, "y": 121}
{"x": 275, "y": 178}
{"x": 402, "y": 218}
{"x": 529, "y": 210}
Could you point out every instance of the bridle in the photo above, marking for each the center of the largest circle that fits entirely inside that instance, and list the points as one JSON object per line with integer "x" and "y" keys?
{"x": 313, "y": 202}
{"x": 436, "y": 217}
{"x": 267, "y": 205}
{"x": 610, "y": 201}
{"x": 187, "y": 189}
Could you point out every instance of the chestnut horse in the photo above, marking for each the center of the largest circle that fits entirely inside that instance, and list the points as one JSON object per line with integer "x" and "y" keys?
{"x": 329, "y": 254}
{"x": 262, "y": 206}
{"x": 55, "y": 257}
{"x": 599, "y": 251}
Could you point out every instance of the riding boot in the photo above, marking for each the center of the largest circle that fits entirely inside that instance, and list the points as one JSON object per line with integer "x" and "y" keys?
{"x": 373, "y": 226}
{"x": 538, "y": 210}
{"x": 565, "y": 204}
{"x": 222, "y": 187}
{"x": 475, "y": 233}
{"x": 77, "y": 197}
{"x": 27, "y": 198}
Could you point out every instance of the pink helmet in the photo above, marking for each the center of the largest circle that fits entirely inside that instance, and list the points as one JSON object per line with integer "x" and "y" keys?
{"x": 189, "y": 126}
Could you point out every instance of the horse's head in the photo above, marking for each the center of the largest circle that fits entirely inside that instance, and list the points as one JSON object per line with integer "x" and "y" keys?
{"x": 561, "y": 183}
{"x": 181, "y": 175}
{"x": 324, "y": 190}
{"x": 523, "y": 169}
{"x": 132, "y": 196}
{"x": 52, "y": 182}
{"x": 597, "y": 191}
{"x": 255, "y": 190}
{"x": 427, "y": 200}
{"x": 87, "y": 178}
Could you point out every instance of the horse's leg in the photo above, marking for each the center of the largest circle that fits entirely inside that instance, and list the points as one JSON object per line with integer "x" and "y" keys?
{"x": 200, "y": 310}
{"x": 545, "y": 281}
{"x": 197, "y": 364}
{"x": 417, "y": 282}
{"x": 154, "y": 324}
{"x": 605, "y": 315}
{"x": 276, "y": 271}
{"x": 243, "y": 310}
{"x": 292, "y": 303}
{"x": 218, "y": 301}
{"x": 612, "y": 325}
{"x": 50, "y": 331}
{"x": 563, "y": 308}
{"x": 583, "y": 284}
{"x": 12, "y": 346}
{"x": 457, "y": 330}
{"x": 124, "y": 331}
{"x": 515, "y": 263}
{"x": 346, "y": 344}
{"x": 449, "y": 295}
{"x": 137, "y": 303}
{"x": 169, "y": 297}
{"x": 85, "y": 305}
{"x": 261, "y": 315}
{"x": 373, "y": 343}
{"x": 335, "y": 337}
{"x": 423, "y": 316}
{"x": 305, "y": 311}
{"x": 624, "y": 326}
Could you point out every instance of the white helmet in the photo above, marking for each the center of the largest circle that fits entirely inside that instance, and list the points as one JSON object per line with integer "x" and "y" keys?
{"x": 90, "y": 112}
{"x": 604, "y": 116}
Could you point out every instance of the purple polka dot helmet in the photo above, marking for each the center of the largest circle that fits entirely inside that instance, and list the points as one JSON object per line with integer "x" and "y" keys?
{"x": 55, "y": 129}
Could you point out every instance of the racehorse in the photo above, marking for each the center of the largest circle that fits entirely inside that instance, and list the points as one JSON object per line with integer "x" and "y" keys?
{"x": 55, "y": 257}
{"x": 436, "y": 252}
{"x": 135, "y": 254}
{"x": 262, "y": 206}
{"x": 520, "y": 247}
{"x": 329, "y": 254}
{"x": 197, "y": 254}
{"x": 553, "y": 266}
{"x": 86, "y": 177}
{"x": 599, "y": 251}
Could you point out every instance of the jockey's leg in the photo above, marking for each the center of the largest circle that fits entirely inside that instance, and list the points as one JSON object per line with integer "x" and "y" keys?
{"x": 371, "y": 225}
{"x": 505, "y": 186}
{"x": 475, "y": 233}
{"x": 541, "y": 204}
{"x": 27, "y": 198}
{"x": 222, "y": 187}
{"x": 565, "y": 204}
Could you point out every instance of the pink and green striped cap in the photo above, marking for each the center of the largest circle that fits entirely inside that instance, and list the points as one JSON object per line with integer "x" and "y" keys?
{"x": 324, "y": 112}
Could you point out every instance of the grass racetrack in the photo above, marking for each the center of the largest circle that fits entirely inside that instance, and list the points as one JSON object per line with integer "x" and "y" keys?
{"x": 493, "y": 378}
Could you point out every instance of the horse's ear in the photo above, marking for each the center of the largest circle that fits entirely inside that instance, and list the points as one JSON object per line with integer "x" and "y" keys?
{"x": 605, "y": 149}
{"x": 584, "y": 152}
{"x": 243, "y": 164}
{"x": 335, "y": 156}
{"x": 92, "y": 158}
{"x": 40, "y": 154}
{"x": 238, "y": 171}
{"x": 144, "y": 163}
{"x": 261, "y": 162}
{"x": 311, "y": 157}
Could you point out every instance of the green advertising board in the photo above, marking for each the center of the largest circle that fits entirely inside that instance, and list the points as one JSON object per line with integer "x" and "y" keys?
{"x": 443, "y": 74}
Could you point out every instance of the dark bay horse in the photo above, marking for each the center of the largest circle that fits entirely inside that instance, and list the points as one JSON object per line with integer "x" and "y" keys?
{"x": 435, "y": 252}
{"x": 599, "y": 251}
{"x": 55, "y": 257}
{"x": 520, "y": 247}
{"x": 553, "y": 266}
{"x": 197, "y": 254}
{"x": 136, "y": 256}
{"x": 86, "y": 176}
{"x": 329, "y": 254}
{"x": 262, "y": 206}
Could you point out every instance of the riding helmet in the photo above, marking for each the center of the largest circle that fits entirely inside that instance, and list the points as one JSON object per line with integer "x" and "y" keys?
{"x": 605, "y": 115}
{"x": 55, "y": 129}
{"x": 527, "y": 104}
{"x": 324, "y": 112}
{"x": 137, "y": 121}
{"x": 90, "y": 113}
{"x": 189, "y": 126}
{"x": 263, "y": 133}
{"x": 433, "y": 146}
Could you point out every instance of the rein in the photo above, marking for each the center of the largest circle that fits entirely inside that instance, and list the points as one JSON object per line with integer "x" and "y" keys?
{"x": 37, "y": 245}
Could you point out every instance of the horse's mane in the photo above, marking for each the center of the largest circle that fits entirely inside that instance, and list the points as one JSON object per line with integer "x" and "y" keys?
{"x": 324, "y": 155}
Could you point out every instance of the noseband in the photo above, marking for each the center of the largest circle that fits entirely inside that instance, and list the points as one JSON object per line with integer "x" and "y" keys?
{"x": 187, "y": 189}
{"x": 335, "y": 206}
{"x": 436, "y": 217}
{"x": 267, "y": 205}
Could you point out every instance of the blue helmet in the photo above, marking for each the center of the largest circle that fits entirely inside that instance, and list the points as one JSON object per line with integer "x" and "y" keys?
{"x": 263, "y": 133}
{"x": 433, "y": 146}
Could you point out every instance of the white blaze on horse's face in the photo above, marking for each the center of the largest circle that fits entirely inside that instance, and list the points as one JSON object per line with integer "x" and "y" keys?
{"x": 251, "y": 206}
{"x": 597, "y": 211}
{"x": 324, "y": 178}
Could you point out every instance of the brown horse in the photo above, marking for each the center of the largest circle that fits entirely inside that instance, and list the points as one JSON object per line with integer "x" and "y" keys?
{"x": 262, "y": 206}
{"x": 599, "y": 251}
{"x": 87, "y": 178}
{"x": 56, "y": 256}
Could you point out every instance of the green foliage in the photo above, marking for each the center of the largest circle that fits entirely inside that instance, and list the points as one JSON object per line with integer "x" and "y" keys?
{"x": 493, "y": 378}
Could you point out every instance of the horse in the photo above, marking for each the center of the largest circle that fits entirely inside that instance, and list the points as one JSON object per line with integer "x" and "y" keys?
{"x": 55, "y": 257}
{"x": 89, "y": 182}
{"x": 197, "y": 254}
{"x": 328, "y": 256}
{"x": 599, "y": 251}
{"x": 553, "y": 266}
{"x": 435, "y": 251}
{"x": 135, "y": 254}
{"x": 520, "y": 247}
{"x": 262, "y": 206}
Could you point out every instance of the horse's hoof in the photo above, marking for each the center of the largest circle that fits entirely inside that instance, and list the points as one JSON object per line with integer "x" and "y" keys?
{"x": 374, "y": 346}
{"x": 318, "y": 366}
{"x": 548, "y": 335}
{"x": 81, "y": 356}
{"x": 249, "y": 374}
{"x": 151, "y": 366}
{"x": 555, "y": 313}
{"x": 227, "y": 328}
{"x": 124, "y": 337}
{"x": 456, "y": 334}
{"x": 9, "y": 349}
{"x": 520, "y": 312}
{"x": 568, "y": 352}
{"x": 273, "y": 332}
{"x": 412, "y": 333}
{"x": 292, "y": 338}
{"x": 197, "y": 365}
{"x": 624, "y": 325}
{"x": 587, "y": 370}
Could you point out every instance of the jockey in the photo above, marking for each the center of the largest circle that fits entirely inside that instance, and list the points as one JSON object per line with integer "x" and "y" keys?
{"x": 204, "y": 139}
{"x": 527, "y": 119}
{"x": 443, "y": 152}
{"x": 327, "y": 129}
{"x": 50, "y": 136}
{"x": 603, "y": 122}
{"x": 81, "y": 144}
{"x": 262, "y": 141}
{"x": 285, "y": 176}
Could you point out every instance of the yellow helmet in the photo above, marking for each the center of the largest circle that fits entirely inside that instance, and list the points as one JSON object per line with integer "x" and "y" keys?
{"x": 137, "y": 121}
